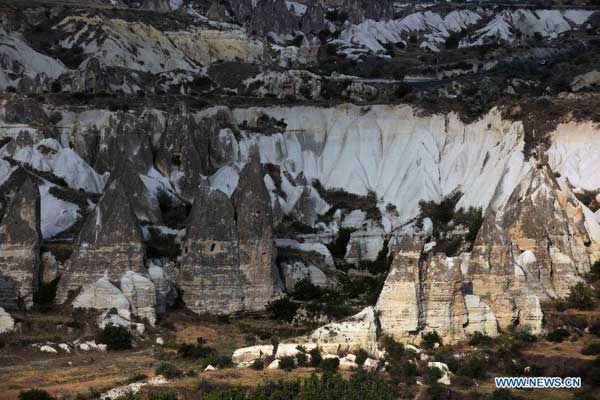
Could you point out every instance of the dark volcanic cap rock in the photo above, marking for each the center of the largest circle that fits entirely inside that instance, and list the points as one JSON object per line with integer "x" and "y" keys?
{"x": 20, "y": 248}
{"x": 110, "y": 243}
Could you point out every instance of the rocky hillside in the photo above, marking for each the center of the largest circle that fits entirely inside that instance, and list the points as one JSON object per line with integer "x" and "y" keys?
{"x": 364, "y": 170}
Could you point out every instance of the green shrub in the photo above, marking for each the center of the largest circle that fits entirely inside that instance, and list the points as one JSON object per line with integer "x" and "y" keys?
{"x": 305, "y": 290}
{"x": 163, "y": 396}
{"x": 168, "y": 370}
{"x": 593, "y": 376}
{"x": 393, "y": 348}
{"x": 330, "y": 364}
{"x": 361, "y": 356}
{"x": 115, "y": 337}
{"x": 137, "y": 378}
{"x": 35, "y": 394}
{"x": 287, "y": 363}
{"x": 429, "y": 339}
{"x": 595, "y": 271}
{"x": 282, "y": 309}
{"x": 315, "y": 357}
{"x": 480, "y": 339}
{"x": 197, "y": 350}
{"x": 301, "y": 359}
{"x": 595, "y": 327}
{"x": 409, "y": 372}
{"x": 128, "y": 396}
{"x": 474, "y": 221}
{"x": 473, "y": 367}
{"x": 557, "y": 335}
{"x": 575, "y": 321}
{"x": 257, "y": 365}
{"x": 581, "y": 297}
{"x": 432, "y": 374}
{"x": 591, "y": 349}
{"x": 338, "y": 247}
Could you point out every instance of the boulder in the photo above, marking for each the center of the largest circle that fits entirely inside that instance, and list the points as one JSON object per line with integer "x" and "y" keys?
{"x": 141, "y": 293}
{"x": 291, "y": 349}
{"x": 356, "y": 332}
{"x": 166, "y": 294}
{"x": 446, "y": 374}
{"x": 48, "y": 349}
{"x": 7, "y": 323}
{"x": 103, "y": 295}
{"x": 247, "y": 355}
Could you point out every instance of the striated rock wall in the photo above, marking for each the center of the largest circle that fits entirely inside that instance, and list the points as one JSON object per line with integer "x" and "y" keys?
{"x": 533, "y": 248}
{"x": 109, "y": 245}
{"x": 210, "y": 277}
{"x": 20, "y": 249}
{"x": 257, "y": 253}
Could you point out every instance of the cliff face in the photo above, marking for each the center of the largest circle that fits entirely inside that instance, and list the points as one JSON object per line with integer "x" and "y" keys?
{"x": 210, "y": 276}
{"x": 20, "y": 248}
{"x": 110, "y": 244}
{"x": 533, "y": 248}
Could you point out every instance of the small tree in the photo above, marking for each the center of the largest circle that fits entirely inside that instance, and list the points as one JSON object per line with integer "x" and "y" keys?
{"x": 115, "y": 337}
{"x": 35, "y": 394}
{"x": 315, "y": 357}
{"x": 361, "y": 356}
{"x": 330, "y": 364}
{"x": 581, "y": 297}
{"x": 429, "y": 339}
{"x": 287, "y": 363}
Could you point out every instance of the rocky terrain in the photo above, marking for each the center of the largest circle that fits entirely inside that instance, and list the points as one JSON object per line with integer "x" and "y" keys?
{"x": 311, "y": 182}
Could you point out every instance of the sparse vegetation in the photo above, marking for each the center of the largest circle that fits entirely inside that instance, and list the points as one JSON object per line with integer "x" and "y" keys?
{"x": 591, "y": 349}
{"x": 581, "y": 297}
{"x": 283, "y": 309}
{"x": 35, "y": 394}
{"x": 329, "y": 364}
{"x": 429, "y": 340}
{"x": 169, "y": 370}
{"x": 557, "y": 335}
{"x": 115, "y": 337}
{"x": 287, "y": 363}
{"x": 168, "y": 395}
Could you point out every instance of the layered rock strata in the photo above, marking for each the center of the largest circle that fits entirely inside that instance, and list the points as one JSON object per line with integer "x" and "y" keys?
{"x": 210, "y": 278}
{"x": 110, "y": 244}
{"x": 20, "y": 248}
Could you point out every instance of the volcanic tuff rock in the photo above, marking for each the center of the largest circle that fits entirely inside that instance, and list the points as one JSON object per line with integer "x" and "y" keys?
{"x": 20, "y": 248}
{"x": 534, "y": 247}
{"x": 356, "y": 332}
{"x": 257, "y": 253}
{"x": 210, "y": 275}
{"x": 7, "y": 323}
{"x": 110, "y": 244}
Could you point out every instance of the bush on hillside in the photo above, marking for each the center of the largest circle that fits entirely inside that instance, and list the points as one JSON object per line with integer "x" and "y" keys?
{"x": 168, "y": 370}
{"x": 581, "y": 297}
{"x": 115, "y": 337}
{"x": 35, "y": 394}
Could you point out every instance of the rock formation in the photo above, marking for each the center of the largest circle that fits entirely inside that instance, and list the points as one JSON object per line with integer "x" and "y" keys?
{"x": 210, "y": 275}
{"x": 110, "y": 244}
{"x": 20, "y": 249}
{"x": 535, "y": 247}
{"x": 7, "y": 323}
{"x": 257, "y": 254}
